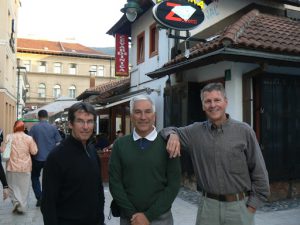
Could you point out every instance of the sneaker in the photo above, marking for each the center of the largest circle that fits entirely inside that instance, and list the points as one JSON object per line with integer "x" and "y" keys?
{"x": 38, "y": 203}
{"x": 19, "y": 211}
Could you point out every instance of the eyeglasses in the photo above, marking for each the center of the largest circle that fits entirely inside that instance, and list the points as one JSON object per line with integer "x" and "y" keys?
{"x": 82, "y": 122}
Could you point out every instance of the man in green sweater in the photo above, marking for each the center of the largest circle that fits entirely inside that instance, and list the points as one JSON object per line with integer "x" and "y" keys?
{"x": 143, "y": 180}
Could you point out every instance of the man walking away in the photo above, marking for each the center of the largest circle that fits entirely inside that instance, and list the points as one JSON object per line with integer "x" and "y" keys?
{"x": 46, "y": 137}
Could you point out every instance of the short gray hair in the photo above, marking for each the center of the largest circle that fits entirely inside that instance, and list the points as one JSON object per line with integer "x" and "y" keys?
{"x": 139, "y": 98}
{"x": 213, "y": 87}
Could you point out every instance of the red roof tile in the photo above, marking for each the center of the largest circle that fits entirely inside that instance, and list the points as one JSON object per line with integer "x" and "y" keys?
{"x": 43, "y": 46}
{"x": 255, "y": 31}
{"x": 106, "y": 90}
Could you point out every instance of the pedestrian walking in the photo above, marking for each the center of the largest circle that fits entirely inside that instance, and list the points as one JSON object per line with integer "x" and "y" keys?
{"x": 143, "y": 180}
{"x": 18, "y": 167}
{"x": 46, "y": 137}
{"x": 227, "y": 159}
{"x": 72, "y": 185}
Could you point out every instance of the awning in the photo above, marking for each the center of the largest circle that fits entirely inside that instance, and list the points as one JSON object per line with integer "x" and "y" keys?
{"x": 119, "y": 99}
{"x": 52, "y": 108}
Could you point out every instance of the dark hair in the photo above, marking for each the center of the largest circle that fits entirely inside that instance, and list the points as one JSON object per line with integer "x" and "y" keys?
{"x": 80, "y": 106}
{"x": 42, "y": 113}
{"x": 213, "y": 87}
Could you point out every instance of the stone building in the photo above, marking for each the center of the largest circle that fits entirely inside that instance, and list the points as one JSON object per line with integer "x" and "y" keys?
{"x": 56, "y": 69}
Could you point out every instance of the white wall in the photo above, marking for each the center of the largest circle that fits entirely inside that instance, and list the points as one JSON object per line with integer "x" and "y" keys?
{"x": 138, "y": 78}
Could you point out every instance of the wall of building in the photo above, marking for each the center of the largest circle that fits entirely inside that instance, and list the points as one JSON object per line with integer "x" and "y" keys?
{"x": 81, "y": 80}
{"x": 8, "y": 74}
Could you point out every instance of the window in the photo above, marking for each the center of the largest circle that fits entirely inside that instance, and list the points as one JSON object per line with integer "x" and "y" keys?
{"x": 42, "y": 67}
{"x": 42, "y": 90}
{"x": 153, "y": 48}
{"x": 73, "y": 69}
{"x": 140, "y": 48}
{"x": 26, "y": 64}
{"x": 72, "y": 91}
{"x": 93, "y": 70}
{"x": 56, "y": 91}
{"x": 100, "y": 71}
{"x": 57, "y": 67}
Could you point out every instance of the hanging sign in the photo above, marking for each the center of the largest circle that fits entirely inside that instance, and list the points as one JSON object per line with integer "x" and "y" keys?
{"x": 121, "y": 55}
{"x": 179, "y": 14}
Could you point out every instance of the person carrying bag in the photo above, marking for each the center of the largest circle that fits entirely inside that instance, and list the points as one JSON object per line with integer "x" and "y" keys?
{"x": 5, "y": 155}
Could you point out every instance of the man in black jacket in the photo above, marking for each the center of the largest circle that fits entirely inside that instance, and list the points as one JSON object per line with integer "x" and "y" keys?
{"x": 72, "y": 185}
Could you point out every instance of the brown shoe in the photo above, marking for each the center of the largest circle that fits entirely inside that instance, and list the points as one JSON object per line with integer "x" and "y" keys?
{"x": 15, "y": 208}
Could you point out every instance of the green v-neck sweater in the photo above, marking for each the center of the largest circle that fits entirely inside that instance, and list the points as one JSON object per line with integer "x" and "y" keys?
{"x": 143, "y": 180}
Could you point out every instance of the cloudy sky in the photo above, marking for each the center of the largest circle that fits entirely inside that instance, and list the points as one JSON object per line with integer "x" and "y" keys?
{"x": 81, "y": 21}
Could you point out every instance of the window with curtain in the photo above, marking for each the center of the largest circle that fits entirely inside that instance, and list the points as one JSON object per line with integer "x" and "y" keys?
{"x": 56, "y": 91}
{"x": 42, "y": 90}
{"x": 73, "y": 68}
{"x": 140, "y": 48}
{"x": 153, "y": 37}
{"x": 100, "y": 71}
{"x": 72, "y": 91}
{"x": 57, "y": 67}
{"x": 42, "y": 67}
{"x": 27, "y": 65}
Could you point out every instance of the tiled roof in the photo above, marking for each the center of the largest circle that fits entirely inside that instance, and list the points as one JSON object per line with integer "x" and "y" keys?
{"x": 54, "y": 47}
{"x": 254, "y": 31}
{"x": 106, "y": 90}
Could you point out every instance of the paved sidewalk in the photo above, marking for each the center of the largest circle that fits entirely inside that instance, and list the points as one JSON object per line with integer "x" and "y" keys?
{"x": 184, "y": 212}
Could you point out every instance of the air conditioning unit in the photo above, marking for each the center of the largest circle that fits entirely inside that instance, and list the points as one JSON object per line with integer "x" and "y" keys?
{"x": 33, "y": 107}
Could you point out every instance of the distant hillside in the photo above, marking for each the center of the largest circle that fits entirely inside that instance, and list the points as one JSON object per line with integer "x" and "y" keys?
{"x": 107, "y": 51}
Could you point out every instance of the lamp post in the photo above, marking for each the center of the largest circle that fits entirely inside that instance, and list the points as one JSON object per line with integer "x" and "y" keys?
{"x": 131, "y": 9}
{"x": 19, "y": 68}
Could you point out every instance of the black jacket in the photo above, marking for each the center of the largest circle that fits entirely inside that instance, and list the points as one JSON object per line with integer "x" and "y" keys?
{"x": 72, "y": 185}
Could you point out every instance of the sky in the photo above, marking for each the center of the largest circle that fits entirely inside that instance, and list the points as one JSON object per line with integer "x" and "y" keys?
{"x": 80, "y": 21}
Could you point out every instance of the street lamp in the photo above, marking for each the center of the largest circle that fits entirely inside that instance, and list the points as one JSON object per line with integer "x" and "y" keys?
{"x": 131, "y": 9}
{"x": 19, "y": 68}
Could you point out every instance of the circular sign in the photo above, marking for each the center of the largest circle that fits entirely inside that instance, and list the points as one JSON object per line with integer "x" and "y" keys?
{"x": 178, "y": 14}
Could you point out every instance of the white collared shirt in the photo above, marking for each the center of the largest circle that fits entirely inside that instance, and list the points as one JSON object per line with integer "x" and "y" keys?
{"x": 150, "y": 137}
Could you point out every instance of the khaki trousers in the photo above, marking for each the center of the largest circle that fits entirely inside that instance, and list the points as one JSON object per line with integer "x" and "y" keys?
{"x": 214, "y": 212}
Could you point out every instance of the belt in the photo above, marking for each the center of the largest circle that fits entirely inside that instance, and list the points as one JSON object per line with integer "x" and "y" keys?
{"x": 226, "y": 198}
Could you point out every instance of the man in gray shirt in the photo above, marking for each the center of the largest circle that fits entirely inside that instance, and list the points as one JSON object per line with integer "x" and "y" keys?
{"x": 227, "y": 160}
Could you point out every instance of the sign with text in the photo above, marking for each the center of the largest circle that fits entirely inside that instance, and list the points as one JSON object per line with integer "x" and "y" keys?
{"x": 179, "y": 14}
{"x": 121, "y": 55}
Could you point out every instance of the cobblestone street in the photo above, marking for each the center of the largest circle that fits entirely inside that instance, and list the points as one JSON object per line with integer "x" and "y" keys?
{"x": 184, "y": 210}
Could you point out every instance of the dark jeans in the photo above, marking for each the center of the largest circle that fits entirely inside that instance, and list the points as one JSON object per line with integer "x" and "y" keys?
{"x": 37, "y": 167}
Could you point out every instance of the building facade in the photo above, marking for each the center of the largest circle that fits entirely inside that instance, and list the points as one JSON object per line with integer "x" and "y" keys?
{"x": 8, "y": 64}
{"x": 252, "y": 47}
{"x": 56, "y": 69}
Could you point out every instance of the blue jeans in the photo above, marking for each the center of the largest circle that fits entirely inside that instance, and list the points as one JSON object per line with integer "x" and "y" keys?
{"x": 37, "y": 167}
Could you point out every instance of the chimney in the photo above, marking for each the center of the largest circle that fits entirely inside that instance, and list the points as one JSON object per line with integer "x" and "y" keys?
{"x": 92, "y": 79}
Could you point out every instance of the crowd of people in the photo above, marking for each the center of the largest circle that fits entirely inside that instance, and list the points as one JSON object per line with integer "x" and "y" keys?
{"x": 144, "y": 167}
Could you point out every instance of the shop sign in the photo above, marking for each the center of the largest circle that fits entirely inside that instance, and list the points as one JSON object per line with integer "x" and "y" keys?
{"x": 121, "y": 55}
{"x": 180, "y": 14}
